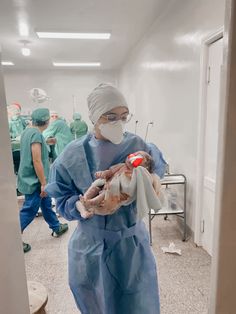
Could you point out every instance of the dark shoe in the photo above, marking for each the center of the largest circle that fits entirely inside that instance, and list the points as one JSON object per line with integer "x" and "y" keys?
{"x": 26, "y": 247}
{"x": 39, "y": 213}
{"x": 62, "y": 229}
{"x": 18, "y": 193}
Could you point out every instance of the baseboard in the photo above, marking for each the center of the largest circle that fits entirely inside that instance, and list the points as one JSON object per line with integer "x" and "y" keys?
{"x": 189, "y": 231}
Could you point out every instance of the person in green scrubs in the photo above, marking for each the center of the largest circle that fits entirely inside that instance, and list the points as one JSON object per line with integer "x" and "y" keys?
{"x": 33, "y": 176}
{"x": 16, "y": 127}
{"x": 58, "y": 131}
{"x": 16, "y": 123}
{"x": 78, "y": 127}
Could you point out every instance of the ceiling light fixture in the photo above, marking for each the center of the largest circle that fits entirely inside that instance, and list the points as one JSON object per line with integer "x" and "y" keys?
{"x": 175, "y": 65}
{"x": 25, "y": 51}
{"x": 73, "y": 35}
{"x": 23, "y": 29}
{"x": 77, "y": 64}
{"x": 7, "y": 63}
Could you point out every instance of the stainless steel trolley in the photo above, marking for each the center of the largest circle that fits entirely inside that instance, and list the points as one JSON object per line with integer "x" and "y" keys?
{"x": 171, "y": 179}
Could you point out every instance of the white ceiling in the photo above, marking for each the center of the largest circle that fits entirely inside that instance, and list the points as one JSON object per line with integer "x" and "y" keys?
{"x": 127, "y": 20}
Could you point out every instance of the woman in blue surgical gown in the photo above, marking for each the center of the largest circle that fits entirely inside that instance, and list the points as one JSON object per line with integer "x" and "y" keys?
{"x": 111, "y": 266}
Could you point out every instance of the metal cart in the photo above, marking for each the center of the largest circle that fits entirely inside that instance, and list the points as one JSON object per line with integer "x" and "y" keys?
{"x": 171, "y": 179}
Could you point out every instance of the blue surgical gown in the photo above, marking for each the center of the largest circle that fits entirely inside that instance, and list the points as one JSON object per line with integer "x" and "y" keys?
{"x": 111, "y": 266}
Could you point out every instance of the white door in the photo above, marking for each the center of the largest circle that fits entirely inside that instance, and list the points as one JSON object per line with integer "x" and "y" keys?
{"x": 215, "y": 59}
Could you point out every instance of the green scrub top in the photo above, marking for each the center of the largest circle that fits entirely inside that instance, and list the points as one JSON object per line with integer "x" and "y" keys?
{"x": 16, "y": 127}
{"x": 28, "y": 181}
{"x": 78, "y": 128}
{"x": 60, "y": 130}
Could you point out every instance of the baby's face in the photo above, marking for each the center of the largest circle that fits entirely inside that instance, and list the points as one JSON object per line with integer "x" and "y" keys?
{"x": 139, "y": 154}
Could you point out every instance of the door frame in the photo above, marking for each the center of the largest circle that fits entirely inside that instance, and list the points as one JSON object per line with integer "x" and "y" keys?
{"x": 206, "y": 42}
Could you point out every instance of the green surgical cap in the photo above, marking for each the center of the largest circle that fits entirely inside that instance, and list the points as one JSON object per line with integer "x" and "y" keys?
{"x": 77, "y": 116}
{"x": 41, "y": 114}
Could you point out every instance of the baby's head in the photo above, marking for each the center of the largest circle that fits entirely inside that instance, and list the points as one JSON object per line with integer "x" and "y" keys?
{"x": 145, "y": 160}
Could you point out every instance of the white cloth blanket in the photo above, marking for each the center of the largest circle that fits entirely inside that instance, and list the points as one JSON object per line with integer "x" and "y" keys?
{"x": 142, "y": 187}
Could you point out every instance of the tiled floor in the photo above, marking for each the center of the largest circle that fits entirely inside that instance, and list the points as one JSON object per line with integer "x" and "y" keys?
{"x": 184, "y": 280}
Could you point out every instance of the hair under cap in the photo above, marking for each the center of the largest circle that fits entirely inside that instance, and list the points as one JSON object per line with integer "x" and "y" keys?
{"x": 102, "y": 99}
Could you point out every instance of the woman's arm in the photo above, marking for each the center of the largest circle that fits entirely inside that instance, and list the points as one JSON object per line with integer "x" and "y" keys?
{"x": 50, "y": 131}
{"x": 38, "y": 166}
{"x": 62, "y": 188}
{"x": 160, "y": 163}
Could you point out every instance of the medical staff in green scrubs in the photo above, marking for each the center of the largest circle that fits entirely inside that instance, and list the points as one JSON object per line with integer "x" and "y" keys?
{"x": 33, "y": 176}
{"x": 58, "y": 130}
{"x": 78, "y": 127}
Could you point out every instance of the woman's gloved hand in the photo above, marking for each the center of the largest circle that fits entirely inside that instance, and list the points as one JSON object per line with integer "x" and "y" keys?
{"x": 82, "y": 210}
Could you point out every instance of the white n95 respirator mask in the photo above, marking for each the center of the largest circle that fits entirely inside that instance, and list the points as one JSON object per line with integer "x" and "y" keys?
{"x": 113, "y": 131}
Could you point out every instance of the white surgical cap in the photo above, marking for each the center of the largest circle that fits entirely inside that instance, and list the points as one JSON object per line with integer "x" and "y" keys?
{"x": 53, "y": 113}
{"x": 13, "y": 110}
{"x": 102, "y": 99}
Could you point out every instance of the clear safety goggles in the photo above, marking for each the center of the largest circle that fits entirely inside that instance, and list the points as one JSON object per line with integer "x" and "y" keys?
{"x": 113, "y": 117}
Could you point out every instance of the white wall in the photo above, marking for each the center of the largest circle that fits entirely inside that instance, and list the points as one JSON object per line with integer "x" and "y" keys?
{"x": 59, "y": 85}
{"x": 161, "y": 81}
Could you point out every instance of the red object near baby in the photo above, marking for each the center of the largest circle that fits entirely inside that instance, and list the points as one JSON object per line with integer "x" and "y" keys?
{"x": 135, "y": 160}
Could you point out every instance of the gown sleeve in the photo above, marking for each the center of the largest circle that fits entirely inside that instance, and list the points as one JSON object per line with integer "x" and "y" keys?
{"x": 50, "y": 131}
{"x": 160, "y": 163}
{"x": 63, "y": 189}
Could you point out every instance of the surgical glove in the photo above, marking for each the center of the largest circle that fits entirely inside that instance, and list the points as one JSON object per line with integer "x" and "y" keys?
{"x": 82, "y": 210}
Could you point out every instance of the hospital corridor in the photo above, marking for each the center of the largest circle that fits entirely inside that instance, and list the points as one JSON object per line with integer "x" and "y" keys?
{"x": 118, "y": 157}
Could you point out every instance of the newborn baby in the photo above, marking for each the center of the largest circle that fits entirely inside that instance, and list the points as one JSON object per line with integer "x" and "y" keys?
{"x": 108, "y": 192}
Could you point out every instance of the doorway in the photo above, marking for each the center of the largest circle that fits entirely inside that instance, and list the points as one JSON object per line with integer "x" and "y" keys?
{"x": 208, "y": 143}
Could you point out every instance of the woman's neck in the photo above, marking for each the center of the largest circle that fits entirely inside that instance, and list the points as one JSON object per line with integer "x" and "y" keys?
{"x": 41, "y": 129}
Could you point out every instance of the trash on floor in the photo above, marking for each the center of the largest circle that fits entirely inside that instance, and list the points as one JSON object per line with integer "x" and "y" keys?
{"x": 171, "y": 249}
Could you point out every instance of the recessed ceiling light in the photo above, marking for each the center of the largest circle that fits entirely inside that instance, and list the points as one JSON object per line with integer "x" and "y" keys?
{"x": 74, "y": 35}
{"x": 7, "y": 63}
{"x": 23, "y": 29}
{"x": 77, "y": 64}
{"x": 25, "y": 51}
